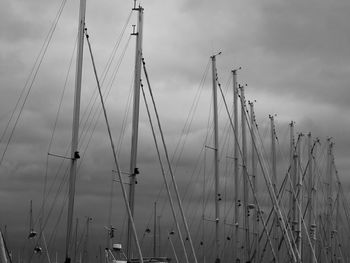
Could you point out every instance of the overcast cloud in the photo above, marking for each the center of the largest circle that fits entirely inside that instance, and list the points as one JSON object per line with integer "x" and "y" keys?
{"x": 294, "y": 56}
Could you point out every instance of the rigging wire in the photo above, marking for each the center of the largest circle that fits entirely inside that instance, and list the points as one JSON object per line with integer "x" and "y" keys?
{"x": 30, "y": 80}
{"x": 97, "y": 114}
{"x": 169, "y": 165}
{"x": 54, "y": 129}
{"x": 109, "y": 63}
{"x": 185, "y": 130}
{"x": 192, "y": 178}
{"x": 63, "y": 182}
{"x": 189, "y": 120}
{"x": 249, "y": 181}
{"x": 114, "y": 154}
{"x": 190, "y": 117}
{"x": 163, "y": 174}
{"x": 223, "y": 143}
{"x": 107, "y": 67}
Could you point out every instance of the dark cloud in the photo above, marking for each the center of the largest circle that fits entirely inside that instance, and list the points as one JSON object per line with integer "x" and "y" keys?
{"x": 294, "y": 57}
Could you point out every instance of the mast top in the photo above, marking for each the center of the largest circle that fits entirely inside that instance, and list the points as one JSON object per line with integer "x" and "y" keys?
{"x": 217, "y": 54}
{"x": 139, "y": 8}
{"x": 234, "y": 71}
{"x": 242, "y": 85}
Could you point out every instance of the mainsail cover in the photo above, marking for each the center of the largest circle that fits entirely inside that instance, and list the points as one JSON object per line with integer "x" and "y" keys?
{"x": 3, "y": 250}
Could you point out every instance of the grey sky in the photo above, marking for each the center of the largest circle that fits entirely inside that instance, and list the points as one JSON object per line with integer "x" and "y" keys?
{"x": 295, "y": 59}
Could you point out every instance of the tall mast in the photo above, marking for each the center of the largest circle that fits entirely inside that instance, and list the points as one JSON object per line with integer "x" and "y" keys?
{"x": 245, "y": 180}
{"x": 75, "y": 132}
{"x": 329, "y": 225}
{"x": 32, "y": 233}
{"x": 294, "y": 193}
{"x": 274, "y": 185}
{"x": 291, "y": 176}
{"x": 254, "y": 183}
{"x": 155, "y": 231}
{"x": 311, "y": 200}
{"x": 236, "y": 174}
{"x": 86, "y": 245}
{"x": 159, "y": 236}
{"x": 337, "y": 251}
{"x": 110, "y": 230}
{"x": 216, "y": 161}
{"x": 31, "y": 227}
{"x": 135, "y": 124}
{"x": 299, "y": 193}
{"x": 75, "y": 240}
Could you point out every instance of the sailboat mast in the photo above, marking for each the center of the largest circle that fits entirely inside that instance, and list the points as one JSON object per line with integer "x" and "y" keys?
{"x": 294, "y": 191}
{"x": 274, "y": 184}
{"x": 330, "y": 199}
{"x": 245, "y": 179}
{"x": 311, "y": 207}
{"x": 155, "y": 230}
{"x": 75, "y": 240}
{"x": 31, "y": 227}
{"x": 86, "y": 245}
{"x": 159, "y": 236}
{"x": 135, "y": 126}
{"x": 254, "y": 183}
{"x": 299, "y": 193}
{"x": 216, "y": 161}
{"x": 75, "y": 131}
{"x": 337, "y": 247}
{"x": 236, "y": 174}
{"x": 291, "y": 175}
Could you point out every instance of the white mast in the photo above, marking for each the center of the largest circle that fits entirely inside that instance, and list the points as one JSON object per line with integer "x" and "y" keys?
{"x": 32, "y": 233}
{"x": 216, "y": 161}
{"x": 75, "y": 132}
{"x": 155, "y": 230}
{"x": 329, "y": 223}
{"x": 291, "y": 176}
{"x": 236, "y": 174}
{"x": 274, "y": 185}
{"x": 245, "y": 180}
{"x": 135, "y": 124}
{"x": 294, "y": 192}
{"x": 299, "y": 192}
{"x": 254, "y": 183}
{"x": 337, "y": 249}
{"x": 311, "y": 207}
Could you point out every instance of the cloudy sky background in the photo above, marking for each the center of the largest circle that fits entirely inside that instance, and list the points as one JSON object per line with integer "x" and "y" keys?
{"x": 294, "y": 57}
